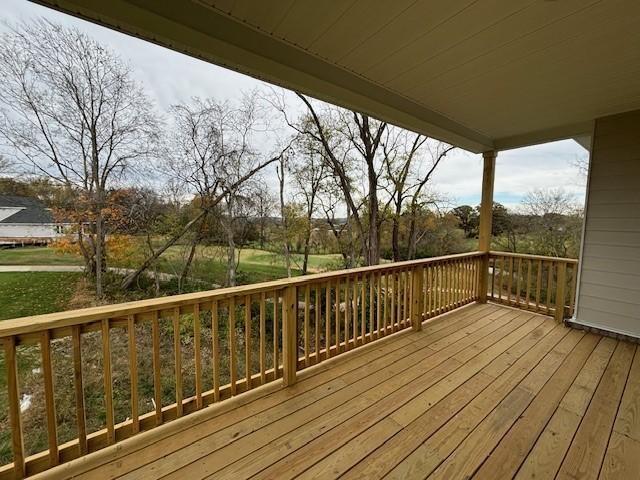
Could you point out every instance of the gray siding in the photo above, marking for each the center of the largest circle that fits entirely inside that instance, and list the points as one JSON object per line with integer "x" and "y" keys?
{"x": 609, "y": 290}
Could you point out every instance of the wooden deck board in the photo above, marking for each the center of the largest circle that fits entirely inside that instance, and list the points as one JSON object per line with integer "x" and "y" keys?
{"x": 483, "y": 392}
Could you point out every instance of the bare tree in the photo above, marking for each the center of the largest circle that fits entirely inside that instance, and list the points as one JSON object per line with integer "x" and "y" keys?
{"x": 308, "y": 174}
{"x": 5, "y": 166}
{"x": 72, "y": 112}
{"x": 211, "y": 153}
{"x": 420, "y": 197}
{"x": 284, "y": 216}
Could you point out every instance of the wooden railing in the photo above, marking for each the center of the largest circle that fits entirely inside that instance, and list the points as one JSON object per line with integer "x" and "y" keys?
{"x": 531, "y": 282}
{"x": 106, "y": 373}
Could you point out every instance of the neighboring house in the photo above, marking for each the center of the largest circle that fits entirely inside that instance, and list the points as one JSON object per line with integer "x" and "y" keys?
{"x": 27, "y": 220}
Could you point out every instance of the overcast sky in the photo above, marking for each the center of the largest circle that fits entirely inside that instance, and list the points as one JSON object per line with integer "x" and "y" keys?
{"x": 171, "y": 77}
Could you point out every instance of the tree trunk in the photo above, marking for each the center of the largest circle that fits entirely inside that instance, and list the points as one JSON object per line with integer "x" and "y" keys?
{"x": 231, "y": 245}
{"x": 99, "y": 254}
{"x": 194, "y": 244}
{"x": 374, "y": 231}
{"x": 413, "y": 237}
{"x": 307, "y": 241}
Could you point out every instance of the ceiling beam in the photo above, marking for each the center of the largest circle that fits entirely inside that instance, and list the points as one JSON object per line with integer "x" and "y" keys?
{"x": 564, "y": 132}
{"x": 208, "y": 34}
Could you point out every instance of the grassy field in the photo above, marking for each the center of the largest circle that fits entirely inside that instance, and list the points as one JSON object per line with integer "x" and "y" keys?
{"x": 37, "y": 256}
{"x": 34, "y": 293}
{"x": 255, "y": 265}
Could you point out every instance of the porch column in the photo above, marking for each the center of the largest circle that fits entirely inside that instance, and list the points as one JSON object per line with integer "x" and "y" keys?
{"x": 486, "y": 209}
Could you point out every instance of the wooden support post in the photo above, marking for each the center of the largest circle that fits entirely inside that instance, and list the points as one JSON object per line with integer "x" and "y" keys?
{"x": 561, "y": 281}
{"x": 486, "y": 214}
{"x": 417, "y": 306}
{"x": 289, "y": 336}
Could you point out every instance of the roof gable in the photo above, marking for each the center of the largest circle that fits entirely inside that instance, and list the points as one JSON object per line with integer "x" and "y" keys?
{"x": 29, "y": 210}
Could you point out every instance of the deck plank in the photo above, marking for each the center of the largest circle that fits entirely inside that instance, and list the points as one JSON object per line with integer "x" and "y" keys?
{"x": 428, "y": 456}
{"x": 545, "y": 458}
{"x": 225, "y": 446}
{"x": 587, "y": 450}
{"x": 333, "y": 452}
{"x": 418, "y": 428}
{"x": 483, "y": 392}
{"x": 409, "y": 374}
{"x": 505, "y": 459}
{"x": 313, "y": 384}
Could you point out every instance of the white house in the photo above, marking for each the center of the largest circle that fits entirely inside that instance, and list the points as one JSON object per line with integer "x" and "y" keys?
{"x": 26, "y": 220}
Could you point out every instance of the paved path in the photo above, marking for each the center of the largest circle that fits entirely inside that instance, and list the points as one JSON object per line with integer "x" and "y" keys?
{"x": 41, "y": 268}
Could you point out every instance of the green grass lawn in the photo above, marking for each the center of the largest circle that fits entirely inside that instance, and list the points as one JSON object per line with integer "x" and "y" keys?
{"x": 37, "y": 256}
{"x": 34, "y": 293}
{"x": 255, "y": 265}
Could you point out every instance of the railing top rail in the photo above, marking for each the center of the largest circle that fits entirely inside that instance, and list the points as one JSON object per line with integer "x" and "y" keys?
{"x": 533, "y": 257}
{"x": 38, "y": 323}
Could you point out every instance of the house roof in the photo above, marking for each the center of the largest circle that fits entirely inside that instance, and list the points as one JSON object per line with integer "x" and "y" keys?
{"x": 481, "y": 75}
{"x": 32, "y": 210}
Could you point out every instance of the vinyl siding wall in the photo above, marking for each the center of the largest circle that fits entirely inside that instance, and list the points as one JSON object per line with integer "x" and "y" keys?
{"x": 609, "y": 290}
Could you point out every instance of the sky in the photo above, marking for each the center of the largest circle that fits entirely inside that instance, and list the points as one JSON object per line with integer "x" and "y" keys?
{"x": 170, "y": 77}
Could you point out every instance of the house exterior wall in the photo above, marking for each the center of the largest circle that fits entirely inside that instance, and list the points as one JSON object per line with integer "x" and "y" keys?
{"x": 609, "y": 286}
{"x": 23, "y": 230}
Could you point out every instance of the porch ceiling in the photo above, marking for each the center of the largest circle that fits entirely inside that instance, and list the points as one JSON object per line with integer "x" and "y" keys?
{"x": 478, "y": 74}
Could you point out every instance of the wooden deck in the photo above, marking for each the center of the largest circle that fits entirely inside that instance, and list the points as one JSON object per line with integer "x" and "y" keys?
{"x": 487, "y": 392}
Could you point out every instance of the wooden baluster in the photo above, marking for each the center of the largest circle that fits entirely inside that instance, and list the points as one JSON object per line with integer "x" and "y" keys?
{"x": 233, "y": 376}
{"x": 215, "y": 350}
{"x": 363, "y": 309}
{"x": 277, "y": 308}
{"x": 417, "y": 279}
{"x": 317, "y": 290}
{"x": 133, "y": 372}
{"x": 493, "y": 278}
{"x": 385, "y": 297}
{"x": 437, "y": 288}
{"x": 459, "y": 282}
{"x": 561, "y": 291}
{"x": 518, "y": 283}
{"x": 347, "y": 313}
{"x": 394, "y": 294}
{"x": 549, "y": 285}
{"x": 79, "y": 389}
{"x": 197, "y": 354}
{"x": 177, "y": 350}
{"x": 327, "y": 320}
{"x": 247, "y": 341}
{"x": 108, "y": 385}
{"x": 401, "y": 290}
{"x": 446, "y": 285}
{"x": 510, "y": 281}
{"x": 502, "y": 269}
{"x": 356, "y": 320}
{"x": 307, "y": 300}
{"x": 406, "y": 289}
{"x": 372, "y": 278}
{"x": 378, "y": 304}
{"x": 527, "y": 292}
{"x": 538, "y": 284}
{"x": 449, "y": 282}
{"x": 290, "y": 336}
{"x": 49, "y": 396}
{"x": 337, "y": 319}
{"x": 155, "y": 358}
{"x": 17, "y": 442}
{"x": 263, "y": 340}
{"x": 429, "y": 291}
